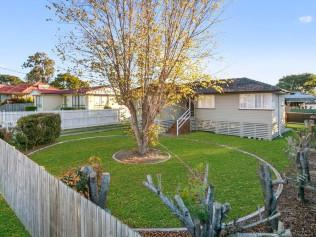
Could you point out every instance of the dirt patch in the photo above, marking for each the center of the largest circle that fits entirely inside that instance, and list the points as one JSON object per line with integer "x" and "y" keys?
{"x": 299, "y": 217}
{"x": 133, "y": 157}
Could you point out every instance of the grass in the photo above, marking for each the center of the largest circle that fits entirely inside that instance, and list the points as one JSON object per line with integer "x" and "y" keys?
{"x": 10, "y": 225}
{"x": 233, "y": 174}
{"x": 295, "y": 126}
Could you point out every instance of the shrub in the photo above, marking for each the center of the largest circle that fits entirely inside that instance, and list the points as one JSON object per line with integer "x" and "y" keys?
{"x": 37, "y": 129}
{"x": 20, "y": 100}
{"x": 5, "y": 135}
{"x": 107, "y": 107}
{"x": 30, "y": 108}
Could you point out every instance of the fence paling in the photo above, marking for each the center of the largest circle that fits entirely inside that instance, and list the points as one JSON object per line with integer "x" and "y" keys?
{"x": 69, "y": 119}
{"x": 46, "y": 206}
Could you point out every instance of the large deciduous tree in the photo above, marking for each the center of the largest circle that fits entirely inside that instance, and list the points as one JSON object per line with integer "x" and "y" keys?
{"x": 10, "y": 79}
{"x": 305, "y": 82}
{"x": 148, "y": 50}
{"x": 42, "y": 68}
{"x": 68, "y": 81}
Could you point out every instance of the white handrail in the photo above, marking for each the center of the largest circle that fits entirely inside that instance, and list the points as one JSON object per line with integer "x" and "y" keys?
{"x": 182, "y": 119}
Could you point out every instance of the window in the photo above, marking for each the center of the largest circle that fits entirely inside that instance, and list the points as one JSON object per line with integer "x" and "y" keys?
{"x": 38, "y": 101}
{"x": 206, "y": 102}
{"x": 78, "y": 101}
{"x": 255, "y": 101}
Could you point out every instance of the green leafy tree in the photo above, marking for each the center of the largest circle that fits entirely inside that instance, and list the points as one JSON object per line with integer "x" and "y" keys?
{"x": 42, "y": 68}
{"x": 68, "y": 81}
{"x": 305, "y": 82}
{"x": 10, "y": 79}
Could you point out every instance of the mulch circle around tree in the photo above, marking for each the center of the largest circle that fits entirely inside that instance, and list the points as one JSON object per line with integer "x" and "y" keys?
{"x": 154, "y": 156}
{"x": 165, "y": 233}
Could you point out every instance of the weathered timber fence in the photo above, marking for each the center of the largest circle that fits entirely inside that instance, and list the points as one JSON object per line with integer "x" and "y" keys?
{"x": 46, "y": 206}
{"x": 70, "y": 119}
{"x": 299, "y": 117}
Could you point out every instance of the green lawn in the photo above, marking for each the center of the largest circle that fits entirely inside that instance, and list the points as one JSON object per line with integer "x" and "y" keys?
{"x": 10, "y": 225}
{"x": 295, "y": 126}
{"x": 233, "y": 174}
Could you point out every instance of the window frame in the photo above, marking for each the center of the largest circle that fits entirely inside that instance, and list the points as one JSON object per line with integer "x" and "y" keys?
{"x": 210, "y": 105}
{"x": 256, "y": 100}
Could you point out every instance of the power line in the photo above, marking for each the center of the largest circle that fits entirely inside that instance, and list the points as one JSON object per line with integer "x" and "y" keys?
{"x": 12, "y": 70}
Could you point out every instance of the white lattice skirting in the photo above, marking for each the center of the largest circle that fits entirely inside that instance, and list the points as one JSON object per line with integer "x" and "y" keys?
{"x": 241, "y": 129}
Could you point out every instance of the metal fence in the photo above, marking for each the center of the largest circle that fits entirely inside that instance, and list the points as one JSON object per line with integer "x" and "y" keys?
{"x": 70, "y": 119}
{"x": 46, "y": 206}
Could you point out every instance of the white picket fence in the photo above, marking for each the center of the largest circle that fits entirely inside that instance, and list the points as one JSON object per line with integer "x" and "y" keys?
{"x": 70, "y": 119}
{"x": 46, "y": 206}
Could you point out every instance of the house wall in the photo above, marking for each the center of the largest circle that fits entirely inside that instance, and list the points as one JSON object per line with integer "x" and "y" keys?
{"x": 4, "y": 97}
{"x": 68, "y": 100}
{"x": 227, "y": 109}
{"x": 278, "y": 116}
{"x": 172, "y": 112}
{"x": 51, "y": 102}
{"x": 227, "y": 118}
{"x": 95, "y": 102}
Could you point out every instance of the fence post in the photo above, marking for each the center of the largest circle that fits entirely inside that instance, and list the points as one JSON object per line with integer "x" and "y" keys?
{"x": 3, "y": 119}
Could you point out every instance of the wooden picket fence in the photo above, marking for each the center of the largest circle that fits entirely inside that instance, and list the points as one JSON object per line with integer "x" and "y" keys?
{"x": 46, "y": 206}
{"x": 70, "y": 119}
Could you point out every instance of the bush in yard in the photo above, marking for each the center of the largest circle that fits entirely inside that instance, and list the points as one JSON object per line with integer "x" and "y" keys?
{"x": 37, "y": 129}
{"x": 5, "y": 135}
{"x": 30, "y": 108}
{"x": 90, "y": 181}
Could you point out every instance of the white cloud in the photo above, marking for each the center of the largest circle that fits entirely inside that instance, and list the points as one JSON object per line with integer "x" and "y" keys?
{"x": 305, "y": 19}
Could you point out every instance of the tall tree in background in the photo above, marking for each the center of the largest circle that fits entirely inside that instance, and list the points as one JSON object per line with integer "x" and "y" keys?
{"x": 42, "y": 68}
{"x": 10, "y": 79}
{"x": 305, "y": 82}
{"x": 148, "y": 50}
{"x": 68, "y": 81}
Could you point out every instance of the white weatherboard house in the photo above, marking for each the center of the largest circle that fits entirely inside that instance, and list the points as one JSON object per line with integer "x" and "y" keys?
{"x": 245, "y": 108}
{"x": 93, "y": 98}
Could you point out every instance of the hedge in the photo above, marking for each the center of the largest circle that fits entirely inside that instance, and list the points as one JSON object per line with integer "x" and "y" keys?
{"x": 30, "y": 108}
{"x": 37, "y": 129}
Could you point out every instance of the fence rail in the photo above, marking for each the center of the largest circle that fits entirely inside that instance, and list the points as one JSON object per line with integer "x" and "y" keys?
{"x": 46, "y": 206}
{"x": 70, "y": 119}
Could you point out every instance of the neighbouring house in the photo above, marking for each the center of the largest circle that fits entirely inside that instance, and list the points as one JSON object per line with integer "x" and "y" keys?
{"x": 47, "y": 98}
{"x": 300, "y": 100}
{"x": 3, "y": 95}
{"x": 245, "y": 108}
{"x": 93, "y": 98}
{"x": 8, "y": 92}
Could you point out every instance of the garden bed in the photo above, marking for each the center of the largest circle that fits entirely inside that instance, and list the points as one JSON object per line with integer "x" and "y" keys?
{"x": 153, "y": 156}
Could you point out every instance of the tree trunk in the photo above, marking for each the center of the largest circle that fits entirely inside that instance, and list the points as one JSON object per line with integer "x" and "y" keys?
{"x": 141, "y": 135}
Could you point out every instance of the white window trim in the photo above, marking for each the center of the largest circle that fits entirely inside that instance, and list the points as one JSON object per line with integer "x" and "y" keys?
{"x": 270, "y": 107}
{"x": 208, "y": 104}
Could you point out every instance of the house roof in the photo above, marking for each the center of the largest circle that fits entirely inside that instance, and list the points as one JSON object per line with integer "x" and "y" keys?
{"x": 80, "y": 91}
{"x": 84, "y": 91}
{"x": 239, "y": 85}
{"x": 43, "y": 88}
{"x": 23, "y": 89}
{"x": 298, "y": 96}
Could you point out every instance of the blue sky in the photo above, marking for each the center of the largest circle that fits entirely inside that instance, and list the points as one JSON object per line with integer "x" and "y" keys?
{"x": 259, "y": 39}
